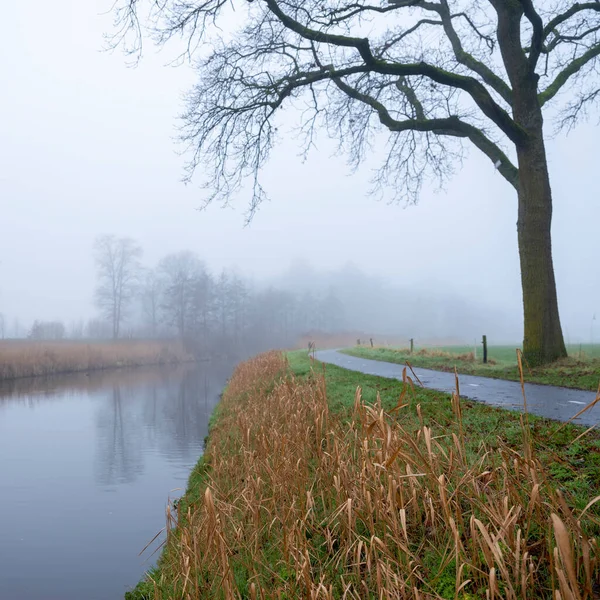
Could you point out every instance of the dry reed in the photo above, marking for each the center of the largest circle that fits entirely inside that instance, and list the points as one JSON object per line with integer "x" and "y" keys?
{"x": 302, "y": 502}
{"x": 31, "y": 358}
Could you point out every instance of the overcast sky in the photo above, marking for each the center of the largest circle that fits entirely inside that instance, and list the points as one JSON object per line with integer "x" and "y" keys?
{"x": 87, "y": 147}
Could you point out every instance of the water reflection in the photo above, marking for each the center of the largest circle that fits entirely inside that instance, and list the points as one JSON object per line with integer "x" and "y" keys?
{"x": 86, "y": 464}
{"x": 119, "y": 447}
{"x": 168, "y": 413}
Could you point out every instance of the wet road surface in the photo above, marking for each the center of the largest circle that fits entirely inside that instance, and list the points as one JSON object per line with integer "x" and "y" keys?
{"x": 543, "y": 400}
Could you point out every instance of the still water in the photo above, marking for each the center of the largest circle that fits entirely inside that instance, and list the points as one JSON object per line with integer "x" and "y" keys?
{"x": 87, "y": 465}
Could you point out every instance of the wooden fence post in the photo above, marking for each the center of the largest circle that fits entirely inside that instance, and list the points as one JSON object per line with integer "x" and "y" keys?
{"x": 484, "y": 342}
{"x": 412, "y": 345}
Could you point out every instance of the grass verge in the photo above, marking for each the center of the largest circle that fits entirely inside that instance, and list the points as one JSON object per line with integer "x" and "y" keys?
{"x": 30, "y": 358}
{"x": 325, "y": 483}
{"x": 572, "y": 372}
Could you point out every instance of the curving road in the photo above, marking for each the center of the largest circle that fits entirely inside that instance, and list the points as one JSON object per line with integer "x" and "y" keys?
{"x": 546, "y": 401}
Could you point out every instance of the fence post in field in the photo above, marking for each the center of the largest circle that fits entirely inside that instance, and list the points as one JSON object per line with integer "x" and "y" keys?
{"x": 484, "y": 342}
{"x": 412, "y": 345}
{"x": 358, "y": 342}
{"x": 371, "y": 340}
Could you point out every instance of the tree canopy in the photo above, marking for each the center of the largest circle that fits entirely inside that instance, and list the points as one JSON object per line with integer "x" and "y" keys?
{"x": 436, "y": 75}
{"x": 436, "y": 72}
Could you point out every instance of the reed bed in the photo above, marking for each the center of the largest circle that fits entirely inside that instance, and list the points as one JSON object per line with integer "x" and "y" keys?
{"x": 294, "y": 499}
{"x": 31, "y": 358}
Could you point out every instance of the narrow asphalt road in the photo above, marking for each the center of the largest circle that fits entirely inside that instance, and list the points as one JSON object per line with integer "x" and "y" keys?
{"x": 546, "y": 401}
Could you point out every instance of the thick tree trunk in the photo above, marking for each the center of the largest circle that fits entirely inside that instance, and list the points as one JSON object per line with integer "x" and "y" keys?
{"x": 543, "y": 340}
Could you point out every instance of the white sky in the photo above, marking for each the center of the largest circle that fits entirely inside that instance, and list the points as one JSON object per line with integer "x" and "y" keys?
{"x": 86, "y": 147}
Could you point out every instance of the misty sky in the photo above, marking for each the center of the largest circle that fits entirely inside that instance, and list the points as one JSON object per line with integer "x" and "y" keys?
{"x": 87, "y": 147}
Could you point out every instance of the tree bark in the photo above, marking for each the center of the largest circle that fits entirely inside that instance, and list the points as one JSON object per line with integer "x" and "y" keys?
{"x": 543, "y": 338}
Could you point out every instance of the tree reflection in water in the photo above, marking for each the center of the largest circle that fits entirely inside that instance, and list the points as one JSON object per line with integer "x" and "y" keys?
{"x": 164, "y": 411}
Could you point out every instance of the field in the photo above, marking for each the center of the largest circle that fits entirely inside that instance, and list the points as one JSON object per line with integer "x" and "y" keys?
{"x": 581, "y": 370}
{"x": 22, "y": 358}
{"x": 325, "y": 483}
{"x": 338, "y": 340}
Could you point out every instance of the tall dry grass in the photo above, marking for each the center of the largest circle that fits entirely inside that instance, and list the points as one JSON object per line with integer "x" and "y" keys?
{"x": 297, "y": 501}
{"x": 31, "y": 358}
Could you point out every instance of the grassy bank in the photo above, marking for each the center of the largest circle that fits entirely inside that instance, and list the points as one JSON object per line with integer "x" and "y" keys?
{"x": 578, "y": 371}
{"x": 29, "y": 358}
{"x": 342, "y": 485}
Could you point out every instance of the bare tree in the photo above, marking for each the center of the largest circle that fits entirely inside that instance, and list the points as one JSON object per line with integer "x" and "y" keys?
{"x": 239, "y": 294}
{"x": 77, "y": 328}
{"x": 180, "y": 273}
{"x": 98, "y": 329}
{"x": 118, "y": 267}
{"x": 331, "y": 310}
{"x": 151, "y": 298}
{"x": 47, "y": 330}
{"x": 203, "y": 306}
{"x": 16, "y": 328}
{"x": 223, "y": 301}
{"x": 433, "y": 74}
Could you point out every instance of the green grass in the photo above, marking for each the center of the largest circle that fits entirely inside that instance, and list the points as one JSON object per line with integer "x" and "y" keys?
{"x": 574, "y": 372}
{"x": 575, "y": 467}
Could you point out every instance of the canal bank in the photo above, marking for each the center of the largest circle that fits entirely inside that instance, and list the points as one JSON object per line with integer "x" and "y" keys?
{"x": 328, "y": 482}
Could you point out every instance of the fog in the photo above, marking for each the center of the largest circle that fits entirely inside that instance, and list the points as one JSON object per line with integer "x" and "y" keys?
{"x": 87, "y": 148}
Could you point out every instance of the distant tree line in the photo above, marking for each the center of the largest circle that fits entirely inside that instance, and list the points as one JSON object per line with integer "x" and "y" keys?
{"x": 181, "y": 297}
{"x": 227, "y": 312}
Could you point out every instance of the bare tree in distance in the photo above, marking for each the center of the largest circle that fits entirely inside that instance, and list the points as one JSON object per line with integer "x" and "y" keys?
{"x": 203, "y": 306}
{"x": 118, "y": 268}
{"x": 47, "y": 330}
{"x": 239, "y": 297}
{"x": 77, "y": 328}
{"x": 150, "y": 299}
{"x": 223, "y": 301}
{"x": 434, "y": 74}
{"x": 180, "y": 273}
{"x": 98, "y": 329}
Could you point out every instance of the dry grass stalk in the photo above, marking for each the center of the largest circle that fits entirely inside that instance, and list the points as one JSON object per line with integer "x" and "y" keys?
{"x": 301, "y": 502}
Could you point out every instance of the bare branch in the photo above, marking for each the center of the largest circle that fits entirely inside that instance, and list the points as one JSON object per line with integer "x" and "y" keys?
{"x": 404, "y": 86}
{"x": 415, "y": 4}
{"x": 468, "y": 60}
{"x": 474, "y": 88}
{"x": 537, "y": 39}
{"x": 576, "y": 8}
{"x": 451, "y": 126}
{"x": 568, "y": 39}
{"x": 437, "y": 73}
{"x": 577, "y": 108}
{"x": 404, "y": 34}
{"x": 490, "y": 42}
{"x": 569, "y": 71}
